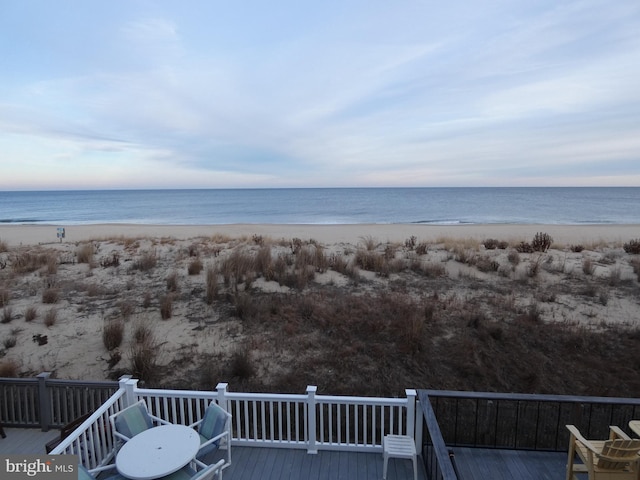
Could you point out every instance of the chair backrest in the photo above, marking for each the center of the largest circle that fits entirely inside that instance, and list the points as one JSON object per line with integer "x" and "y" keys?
{"x": 83, "y": 473}
{"x": 617, "y": 454}
{"x": 213, "y": 422}
{"x": 133, "y": 420}
{"x": 209, "y": 472}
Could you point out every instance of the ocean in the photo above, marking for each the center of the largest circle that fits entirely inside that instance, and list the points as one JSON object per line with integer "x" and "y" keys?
{"x": 444, "y": 206}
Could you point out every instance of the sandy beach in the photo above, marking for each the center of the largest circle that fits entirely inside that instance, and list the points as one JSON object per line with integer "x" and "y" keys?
{"x": 352, "y": 308}
{"x": 567, "y": 234}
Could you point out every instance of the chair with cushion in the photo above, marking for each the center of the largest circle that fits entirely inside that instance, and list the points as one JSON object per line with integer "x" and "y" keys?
{"x": 214, "y": 429}
{"x": 613, "y": 459}
{"x": 134, "y": 419}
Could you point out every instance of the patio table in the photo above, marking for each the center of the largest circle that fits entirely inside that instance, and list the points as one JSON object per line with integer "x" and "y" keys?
{"x": 157, "y": 452}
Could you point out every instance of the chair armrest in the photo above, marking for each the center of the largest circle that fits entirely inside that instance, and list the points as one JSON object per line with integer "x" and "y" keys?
{"x": 578, "y": 436}
{"x": 616, "y": 432}
{"x": 103, "y": 468}
{"x": 214, "y": 439}
{"x": 159, "y": 420}
{"x": 121, "y": 436}
{"x": 195, "y": 424}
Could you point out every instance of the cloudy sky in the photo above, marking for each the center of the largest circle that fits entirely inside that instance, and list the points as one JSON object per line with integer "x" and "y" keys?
{"x": 203, "y": 93}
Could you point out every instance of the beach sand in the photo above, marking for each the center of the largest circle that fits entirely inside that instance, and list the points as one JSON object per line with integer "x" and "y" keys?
{"x": 454, "y": 271}
{"x": 566, "y": 234}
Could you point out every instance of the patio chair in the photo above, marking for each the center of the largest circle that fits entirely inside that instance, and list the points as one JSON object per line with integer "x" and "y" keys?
{"x": 616, "y": 458}
{"x": 214, "y": 428}
{"x": 132, "y": 420}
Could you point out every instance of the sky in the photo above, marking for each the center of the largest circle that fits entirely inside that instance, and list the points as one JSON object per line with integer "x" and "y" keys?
{"x": 254, "y": 94}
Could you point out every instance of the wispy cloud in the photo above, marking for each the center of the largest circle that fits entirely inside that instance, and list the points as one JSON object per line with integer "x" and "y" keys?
{"x": 403, "y": 94}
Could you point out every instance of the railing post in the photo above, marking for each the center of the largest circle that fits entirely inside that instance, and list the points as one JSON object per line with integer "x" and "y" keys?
{"x": 419, "y": 425}
{"x": 311, "y": 419}
{"x": 221, "y": 388}
{"x": 43, "y": 401}
{"x": 129, "y": 384}
{"x": 411, "y": 412}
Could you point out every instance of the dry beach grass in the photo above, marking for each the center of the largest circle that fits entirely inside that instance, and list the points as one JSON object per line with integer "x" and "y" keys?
{"x": 370, "y": 315}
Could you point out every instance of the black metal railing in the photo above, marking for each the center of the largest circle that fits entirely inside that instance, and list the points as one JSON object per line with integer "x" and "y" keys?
{"x": 49, "y": 403}
{"x": 523, "y": 421}
{"x": 437, "y": 462}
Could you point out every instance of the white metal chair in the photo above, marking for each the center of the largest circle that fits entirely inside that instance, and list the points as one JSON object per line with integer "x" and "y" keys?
{"x": 214, "y": 430}
{"x": 134, "y": 419}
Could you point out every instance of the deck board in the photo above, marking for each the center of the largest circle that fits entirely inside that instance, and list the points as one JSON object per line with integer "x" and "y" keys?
{"x": 26, "y": 440}
{"x": 249, "y": 463}
{"x": 476, "y": 463}
{"x": 290, "y": 464}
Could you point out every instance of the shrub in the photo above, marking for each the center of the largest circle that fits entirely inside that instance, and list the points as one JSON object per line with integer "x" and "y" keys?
{"x": 172, "y": 282}
{"x": 295, "y": 245}
{"x": 112, "y": 261}
{"x": 10, "y": 342}
{"x": 338, "y": 263}
{"x": 264, "y": 263}
{"x": 241, "y": 365}
{"x": 84, "y": 253}
{"x": 166, "y": 306}
{"x": 369, "y": 242}
{"x": 576, "y": 248}
{"x": 195, "y": 267}
{"x": 9, "y": 369}
{"x": 635, "y": 263}
{"x": 486, "y": 264}
{"x": 432, "y": 270}
{"x": 236, "y": 267}
{"x": 541, "y": 242}
{"x": 368, "y": 260}
{"x": 142, "y": 332}
{"x": 587, "y": 266}
{"x": 112, "y": 334}
{"x": 4, "y": 246}
{"x": 632, "y": 247}
{"x": 146, "y": 262}
{"x": 258, "y": 239}
{"x": 524, "y": 247}
{"x": 126, "y": 308}
{"x": 144, "y": 357}
{"x": 30, "y": 314}
{"x": 52, "y": 264}
{"x": 4, "y": 297}
{"x": 211, "y": 291}
{"x": 410, "y": 242}
{"x": 50, "y": 295}
{"x": 51, "y": 317}
{"x": 615, "y": 275}
{"x": 146, "y": 300}
{"x": 422, "y": 248}
{"x": 27, "y": 262}
{"x": 491, "y": 244}
{"x": 7, "y": 315}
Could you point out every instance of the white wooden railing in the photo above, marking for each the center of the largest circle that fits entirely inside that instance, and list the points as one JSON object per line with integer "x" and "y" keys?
{"x": 305, "y": 421}
{"x": 93, "y": 441}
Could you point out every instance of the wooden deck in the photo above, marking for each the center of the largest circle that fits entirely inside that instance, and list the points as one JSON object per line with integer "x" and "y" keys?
{"x": 289, "y": 464}
{"x": 26, "y": 440}
{"x": 263, "y": 463}
{"x": 481, "y": 464}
